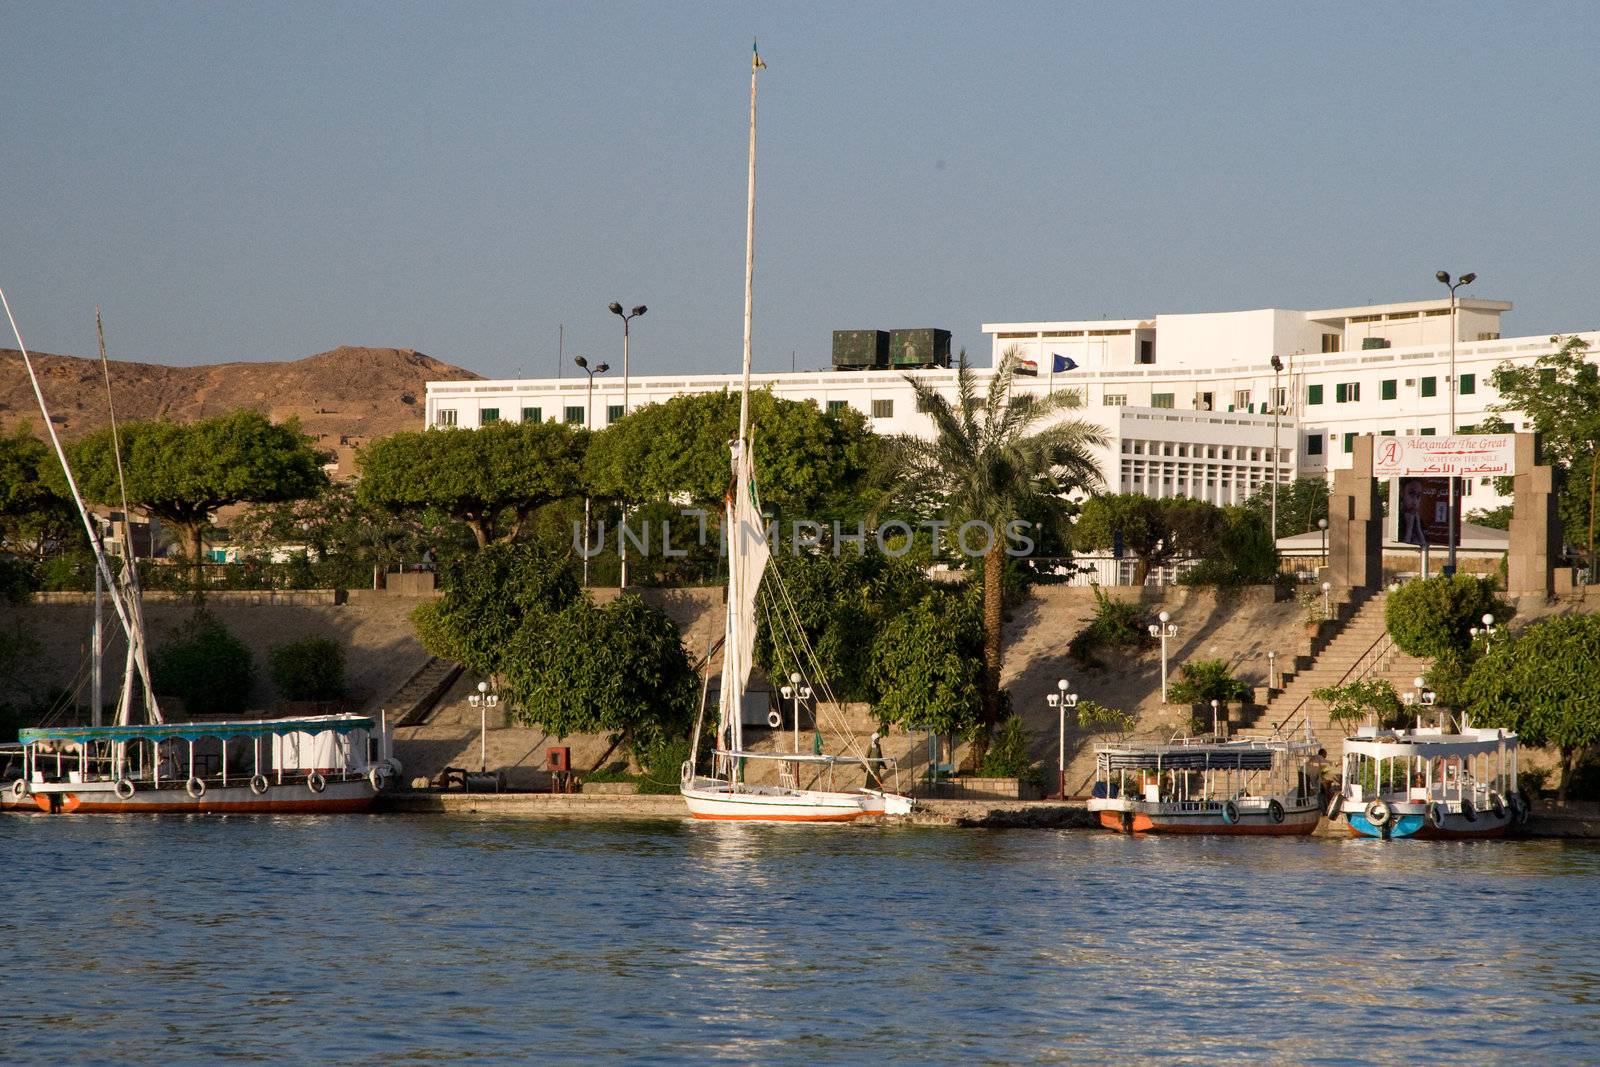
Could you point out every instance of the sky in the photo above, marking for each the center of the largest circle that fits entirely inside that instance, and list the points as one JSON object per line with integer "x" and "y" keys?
{"x": 478, "y": 181}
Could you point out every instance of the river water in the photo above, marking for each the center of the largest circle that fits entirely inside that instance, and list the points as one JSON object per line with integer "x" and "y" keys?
{"x": 423, "y": 940}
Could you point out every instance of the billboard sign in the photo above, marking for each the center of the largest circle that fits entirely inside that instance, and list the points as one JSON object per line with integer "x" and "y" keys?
{"x": 1423, "y": 515}
{"x": 1465, "y": 455}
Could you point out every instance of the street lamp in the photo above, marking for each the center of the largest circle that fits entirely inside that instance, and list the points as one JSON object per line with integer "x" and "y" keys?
{"x": 588, "y": 422}
{"x": 1420, "y": 696}
{"x": 1487, "y": 630}
{"x": 626, "y": 317}
{"x": 1272, "y": 672}
{"x": 1450, "y": 431}
{"x": 1322, "y": 524}
{"x": 796, "y": 692}
{"x": 1277, "y": 368}
{"x": 1327, "y": 588}
{"x": 483, "y": 700}
{"x": 1216, "y": 716}
{"x": 1164, "y": 629}
{"x": 1062, "y": 700}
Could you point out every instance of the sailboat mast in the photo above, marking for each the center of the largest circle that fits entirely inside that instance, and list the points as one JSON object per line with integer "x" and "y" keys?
{"x": 749, "y": 257}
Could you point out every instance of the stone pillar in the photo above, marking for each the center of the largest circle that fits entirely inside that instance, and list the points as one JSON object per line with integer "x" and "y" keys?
{"x": 1355, "y": 525}
{"x": 1535, "y": 544}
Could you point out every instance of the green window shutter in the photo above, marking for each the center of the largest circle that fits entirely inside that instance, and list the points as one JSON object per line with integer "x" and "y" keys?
{"x": 613, "y": 413}
{"x": 532, "y": 415}
{"x": 1429, "y": 387}
{"x": 575, "y": 415}
{"x": 1426, "y": 431}
{"x": 1388, "y": 433}
{"x": 838, "y": 405}
{"x": 1314, "y": 445}
{"x": 1390, "y": 389}
{"x": 1349, "y": 442}
{"x": 1313, "y": 394}
{"x": 1469, "y": 384}
{"x": 1341, "y": 393}
{"x": 488, "y": 415}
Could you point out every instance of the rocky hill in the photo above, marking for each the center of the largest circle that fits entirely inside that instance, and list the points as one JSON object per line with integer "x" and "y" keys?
{"x": 342, "y": 397}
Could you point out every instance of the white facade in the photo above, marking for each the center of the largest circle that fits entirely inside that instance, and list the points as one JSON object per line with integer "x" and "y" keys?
{"x": 1186, "y": 402}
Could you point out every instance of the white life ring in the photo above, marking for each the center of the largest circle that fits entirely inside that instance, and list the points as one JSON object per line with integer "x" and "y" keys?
{"x": 378, "y": 777}
{"x": 1378, "y": 814}
{"x": 686, "y": 772}
{"x": 258, "y": 784}
{"x": 1230, "y": 812}
{"x": 19, "y": 788}
{"x": 195, "y": 787}
{"x": 123, "y": 788}
{"x": 316, "y": 782}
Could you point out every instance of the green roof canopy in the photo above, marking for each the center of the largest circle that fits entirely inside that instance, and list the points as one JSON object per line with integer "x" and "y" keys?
{"x": 193, "y": 731}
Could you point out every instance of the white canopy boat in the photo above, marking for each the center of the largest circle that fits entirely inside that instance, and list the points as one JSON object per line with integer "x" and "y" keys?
{"x": 1429, "y": 782}
{"x": 805, "y": 790}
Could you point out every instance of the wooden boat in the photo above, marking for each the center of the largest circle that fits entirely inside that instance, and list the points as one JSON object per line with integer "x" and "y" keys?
{"x": 319, "y": 764}
{"x": 1208, "y": 786}
{"x": 805, "y": 791}
{"x": 1430, "y": 783}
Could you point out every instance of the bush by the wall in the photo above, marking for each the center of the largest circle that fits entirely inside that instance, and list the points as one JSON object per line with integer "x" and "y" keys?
{"x": 309, "y": 669}
{"x": 206, "y": 666}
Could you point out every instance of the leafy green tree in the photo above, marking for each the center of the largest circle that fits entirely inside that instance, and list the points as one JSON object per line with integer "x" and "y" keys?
{"x": 1542, "y": 683}
{"x": 620, "y": 668}
{"x": 925, "y": 665}
{"x": 811, "y": 464}
{"x": 987, "y": 461}
{"x": 1154, "y": 532}
{"x": 183, "y": 472}
{"x": 1241, "y": 553}
{"x": 336, "y": 526}
{"x": 1300, "y": 504}
{"x": 206, "y": 666}
{"x": 487, "y": 599}
{"x": 1353, "y": 702}
{"x": 35, "y": 511}
{"x": 309, "y": 669}
{"x": 1433, "y": 617}
{"x": 1097, "y": 718}
{"x": 1558, "y": 397}
{"x": 493, "y": 478}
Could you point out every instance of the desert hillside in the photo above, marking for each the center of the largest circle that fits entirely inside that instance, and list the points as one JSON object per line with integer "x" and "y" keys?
{"x": 341, "y": 397}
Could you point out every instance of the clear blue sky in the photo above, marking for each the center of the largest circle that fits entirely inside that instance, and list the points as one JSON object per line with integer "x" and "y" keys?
{"x": 267, "y": 181}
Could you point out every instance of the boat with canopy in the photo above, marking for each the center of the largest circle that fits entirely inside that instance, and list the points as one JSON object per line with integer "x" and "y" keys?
{"x": 807, "y": 789}
{"x": 1429, "y": 782}
{"x": 1205, "y": 785}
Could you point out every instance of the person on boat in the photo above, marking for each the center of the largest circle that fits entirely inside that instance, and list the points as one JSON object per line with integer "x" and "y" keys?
{"x": 874, "y": 763}
{"x": 1315, "y": 772}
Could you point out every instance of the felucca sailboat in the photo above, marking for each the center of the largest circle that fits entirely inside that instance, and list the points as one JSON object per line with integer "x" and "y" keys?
{"x": 725, "y": 794}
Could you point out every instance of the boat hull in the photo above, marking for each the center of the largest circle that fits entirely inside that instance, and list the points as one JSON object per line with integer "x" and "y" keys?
{"x": 355, "y": 795}
{"x": 1135, "y": 821}
{"x": 715, "y": 801}
{"x": 1455, "y": 827}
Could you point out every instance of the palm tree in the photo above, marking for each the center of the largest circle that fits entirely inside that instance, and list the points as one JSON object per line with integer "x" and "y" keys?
{"x": 984, "y": 466}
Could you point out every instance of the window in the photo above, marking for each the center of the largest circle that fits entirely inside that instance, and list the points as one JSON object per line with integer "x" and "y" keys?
{"x": 1330, "y": 342}
{"x": 1016, "y": 336}
{"x": 883, "y": 409}
{"x": 1349, "y": 443}
{"x": 1365, "y": 318}
{"x": 1116, "y": 400}
{"x": 1495, "y": 336}
{"x": 1426, "y": 431}
{"x": 838, "y": 405}
{"x": 532, "y": 414}
{"x": 1314, "y": 445}
{"x": 1429, "y": 387}
{"x": 1469, "y": 384}
{"x": 1161, "y": 400}
{"x": 1402, "y": 315}
{"x": 488, "y": 415}
{"x": 1469, "y": 428}
{"x": 1388, "y": 433}
{"x": 613, "y": 413}
{"x": 1147, "y": 351}
{"x": 1390, "y": 389}
{"x": 444, "y": 417}
{"x": 1241, "y": 398}
{"x": 1435, "y": 312}
{"x": 575, "y": 416}
{"x": 1313, "y": 394}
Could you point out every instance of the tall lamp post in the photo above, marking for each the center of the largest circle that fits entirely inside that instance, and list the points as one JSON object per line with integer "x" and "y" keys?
{"x": 1450, "y": 431}
{"x": 1163, "y": 629}
{"x": 483, "y": 700}
{"x": 796, "y": 692}
{"x": 588, "y": 422}
{"x": 1487, "y": 631}
{"x": 1420, "y": 696}
{"x": 1277, "y": 368}
{"x": 1063, "y": 700}
{"x": 1322, "y": 524}
{"x": 626, "y": 317}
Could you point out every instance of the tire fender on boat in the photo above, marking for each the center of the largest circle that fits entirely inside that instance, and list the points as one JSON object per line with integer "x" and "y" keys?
{"x": 195, "y": 787}
{"x": 1467, "y": 811}
{"x": 1275, "y": 809}
{"x": 1436, "y": 815}
{"x": 258, "y": 784}
{"x": 378, "y": 777}
{"x": 1498, "y": 806}
{"x": 123, "y": 788}
{"x": 1378, "y": 813}
{"x": 1335, "y": 805}
{"x": 316, "y": 782}
{"x": 19, "y": 788}
{"x": 1230, "y": 812}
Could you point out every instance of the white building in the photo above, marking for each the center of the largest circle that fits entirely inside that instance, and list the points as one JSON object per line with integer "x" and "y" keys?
{"x": 1186, "y": 402}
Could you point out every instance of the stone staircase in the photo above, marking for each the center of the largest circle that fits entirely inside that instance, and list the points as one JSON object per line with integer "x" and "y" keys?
{"x": 1352, "y": 647}
{"x": 414, "y": 701}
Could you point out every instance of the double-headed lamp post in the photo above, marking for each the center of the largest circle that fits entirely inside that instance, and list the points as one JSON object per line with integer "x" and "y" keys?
{"x": 1163, "y": 629}
{"x": 796, "y": 692}
{"x": 483, "y": 700}
{"x": 1450, "y": 431}
{"x": 1487, "y": 631}
{"x": 1063, "y": 700}
{"x": 588, "y": 423}
{"x": 626, "y": 317}
{"x": 1419, "y": 696}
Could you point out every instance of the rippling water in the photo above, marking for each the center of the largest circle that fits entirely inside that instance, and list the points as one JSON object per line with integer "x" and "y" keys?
{"x": 488, "y": 940}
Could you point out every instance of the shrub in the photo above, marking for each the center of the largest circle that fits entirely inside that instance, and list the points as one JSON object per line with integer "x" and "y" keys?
{"x": 1117, "y": 624}
{"x": 1204, "y": 680}
{"x": 309, "y": 669}
{"x": 1096, "y": 718}
{"x": 1352, "y": 702}
{"x": 1008, "y": 756}
{"x": 206, "y": 666}
{"x": 1244, "y": 554}
{"x": 1431, "y": 617}
{"x": 926, "y": 666}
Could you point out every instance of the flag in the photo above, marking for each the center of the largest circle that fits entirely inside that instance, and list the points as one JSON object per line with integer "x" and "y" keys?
{"x": 755, "y": 57}
{"x": 1063, "y": 364}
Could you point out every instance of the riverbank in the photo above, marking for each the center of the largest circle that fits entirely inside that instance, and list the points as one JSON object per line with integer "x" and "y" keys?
{"x": 1575, "y": 824}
